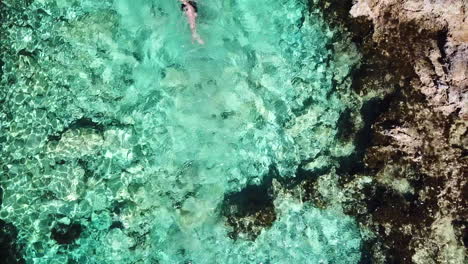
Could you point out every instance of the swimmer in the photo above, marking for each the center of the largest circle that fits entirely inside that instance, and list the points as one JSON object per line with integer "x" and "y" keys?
{"x": 190, "y": 10}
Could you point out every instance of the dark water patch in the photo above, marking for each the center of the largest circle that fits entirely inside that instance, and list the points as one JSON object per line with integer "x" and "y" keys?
{"x": 388, "y": 207}
{"x": 441, "y": 39}
{"x": 60, "y": 162}
{"x": 27, "y": 53}
{"x": 366, "y": 251}
{"x": 118, "y": 206}
{"x": 139, "y": 238}
{"x": 116, "y": 224}
{"x": 88, "y": 172}
{"x": 461, "y": 230}
{"x": 370, "y": 112}
{"x": 79, "y": 123}
{"x": 332, "y": 9}
{"x": 303, "y": 174}
{"x": 86, "y": 123}
{"x": 1, "y": 70}
{"x": 66, "y": 234}
{"x": 251, "y": 209}
{"x": 10, "y": 250}
{"x": 308, "y": 182}
{"x": 345, "y": 126}
{"x": 1, "y": 196}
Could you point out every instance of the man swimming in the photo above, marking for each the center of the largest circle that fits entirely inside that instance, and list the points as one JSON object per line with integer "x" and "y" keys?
{"x": 190, "y": 10}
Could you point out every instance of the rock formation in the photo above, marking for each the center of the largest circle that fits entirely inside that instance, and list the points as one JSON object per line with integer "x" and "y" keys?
{"x": 416, "y": 52}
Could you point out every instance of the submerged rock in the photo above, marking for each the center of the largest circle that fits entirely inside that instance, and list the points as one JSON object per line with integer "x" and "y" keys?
{"x": 10, "y": 249}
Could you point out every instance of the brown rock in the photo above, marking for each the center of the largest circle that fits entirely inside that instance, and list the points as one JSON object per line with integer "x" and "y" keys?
{"x": 416, "y": 51}
{"x": 423, "y": 133}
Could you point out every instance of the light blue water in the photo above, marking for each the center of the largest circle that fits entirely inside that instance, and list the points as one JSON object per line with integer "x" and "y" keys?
{"x": 183, "y": 125}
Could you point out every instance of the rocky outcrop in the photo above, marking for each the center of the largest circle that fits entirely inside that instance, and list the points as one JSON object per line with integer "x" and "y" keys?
{"x": 421, "y": 138}
{"x": 433, "y": 37}
{"x": 415, "y": 52}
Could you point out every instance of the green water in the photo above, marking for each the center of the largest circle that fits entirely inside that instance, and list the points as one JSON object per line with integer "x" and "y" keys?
{"x": 112, "y": 115}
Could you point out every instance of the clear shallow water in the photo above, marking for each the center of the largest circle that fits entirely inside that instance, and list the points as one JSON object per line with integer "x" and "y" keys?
{"x": 119, "y": 118}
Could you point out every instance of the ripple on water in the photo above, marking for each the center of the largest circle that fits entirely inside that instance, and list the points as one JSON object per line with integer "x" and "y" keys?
{"x": 182, "y": 128}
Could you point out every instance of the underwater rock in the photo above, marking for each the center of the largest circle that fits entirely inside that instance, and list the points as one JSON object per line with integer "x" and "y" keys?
{"x": 66, "y": 234}
{"x": 10, "y": 250}
{"x": 251, "y": 210}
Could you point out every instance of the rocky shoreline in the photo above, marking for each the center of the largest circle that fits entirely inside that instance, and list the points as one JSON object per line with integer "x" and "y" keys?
{"x": 416, "y": 55}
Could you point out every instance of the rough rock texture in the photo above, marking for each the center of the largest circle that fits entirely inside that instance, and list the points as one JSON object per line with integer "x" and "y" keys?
{"x": 417, "y": 53}
{"x": 433, "y": 36}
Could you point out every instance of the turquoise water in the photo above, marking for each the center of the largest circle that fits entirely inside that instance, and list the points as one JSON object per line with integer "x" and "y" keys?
{"x": 116, "y": 122}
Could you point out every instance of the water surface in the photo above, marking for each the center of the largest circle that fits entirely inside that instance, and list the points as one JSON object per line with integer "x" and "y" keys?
{"x": 120, "y": 126}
